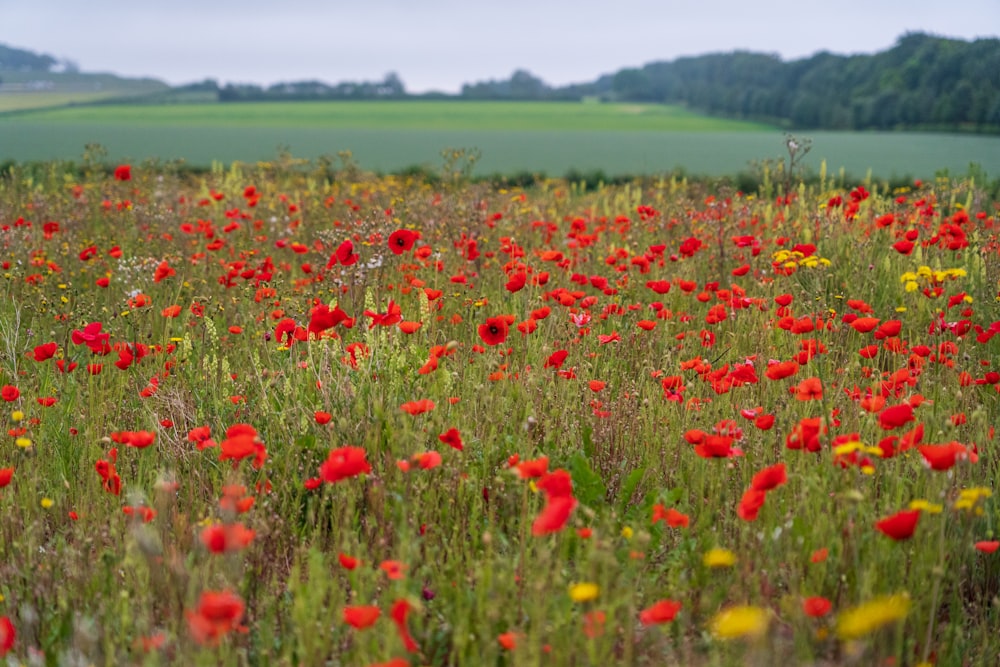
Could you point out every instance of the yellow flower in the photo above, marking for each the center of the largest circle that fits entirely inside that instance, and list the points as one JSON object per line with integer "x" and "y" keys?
{"x": 47, "y": 503}
{"x": 23, "y": 443}
{"x": 719, "y": 558}
{"x": 926, "y": 506}
{"x": 872, "y": 615}
{"x": 16, "y": 416}
{"x": 969, "y": 499}
{"x": 627, "y": 532}
{"x": 740, "y": 621}
{"x": 584, "y": 591}
{"x": 848, "y": 447}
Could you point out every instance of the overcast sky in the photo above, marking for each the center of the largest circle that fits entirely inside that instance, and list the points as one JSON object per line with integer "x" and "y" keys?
{"x": 441, "y": 44}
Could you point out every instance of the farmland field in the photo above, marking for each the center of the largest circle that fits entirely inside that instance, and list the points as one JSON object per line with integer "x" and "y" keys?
{"x": 512, "y": 137}
{"x": 260, "y": 416}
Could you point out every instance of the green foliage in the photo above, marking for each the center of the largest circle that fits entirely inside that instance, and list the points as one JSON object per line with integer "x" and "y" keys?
{"x": 923, "y": 82}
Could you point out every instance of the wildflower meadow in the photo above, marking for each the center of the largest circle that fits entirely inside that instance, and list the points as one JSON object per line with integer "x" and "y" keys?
{"x": 276, "y": 415}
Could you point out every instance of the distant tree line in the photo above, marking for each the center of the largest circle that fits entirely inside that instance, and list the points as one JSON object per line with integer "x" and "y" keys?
{"x": 923, "y": 82}
{"x": 391, "y": 87}
{"x": 19, "y": 60}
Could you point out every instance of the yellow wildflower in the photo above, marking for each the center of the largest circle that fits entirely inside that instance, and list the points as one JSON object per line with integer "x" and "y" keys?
{"x": 869, "y": 616}
{"x": 926, "y": 506}
{"x": 584, "y": 591}
{"x": 970, "y": 499}
{"x": 719, "y": 558}
{"x": 740, "y": 621}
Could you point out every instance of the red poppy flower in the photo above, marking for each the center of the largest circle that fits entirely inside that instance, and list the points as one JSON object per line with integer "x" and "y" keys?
{"x": 553, "y": 516}
{"x": 899, "y": 526}
{"x": 717, "y": 447}
{"x": 343, "y": 463}
{"x": 769, "y": 478}
{"x": 494, "y": 331}
{"x": 402, "y": 240}
{"x": 7, "y": 635}
{"x": 223, "y": 538}
{"x": 362, "y": 616}
{"x": 452, "y": 438}
{"x": 201, "y": 436}
{"x": 988, "y": 547}
{"x": 400, "y": 610}
{"x": 816, "y": 606}
{"x": 45, "y": 351}
{"x": 942, "y": 457}
{"x": 764, "y": 422}
{"x": 810, "y": 389}
{"x": 322, "y": 318}
{"x": 673, "y": 518}
{"x": 123, "y": 172}
{"x": 593, "y": 623}
{"x": 10, "y": 393}
{"x": 6, "y": 474}
{"x": 556, "y": 359}
{"x": 393, "y": 569}
{"x": 865, "y": 324}
{"x": 217, "y": 614}
{"x": 895, "y": 416}
{"x": 819, "y": 555}
{"x": 781, "y": 370}
{"x": 241, "y": 441}
{"x": 322, "y": 417}
{"x": 427, "y": 460}
{"x": 347, "y": 562}
{"x": 344, "y": 254}
{"x": 534, "y": 468}
{"x": 164, "y": 271}
{"x": 750, "y": 504}
{"x": 417, "y": 407}
{"x": 663, "y": 611}
{"x": 659, "y": 286}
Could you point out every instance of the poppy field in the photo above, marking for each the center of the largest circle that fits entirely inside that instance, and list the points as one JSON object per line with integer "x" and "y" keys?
{"x": 265, "y": 417}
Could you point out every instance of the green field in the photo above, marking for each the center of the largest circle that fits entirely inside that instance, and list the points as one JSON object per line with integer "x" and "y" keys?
{"x": 540, "y": 137}
{"x": 405, "y": 115}
{"x": 24, "y": 100}
{"x": 39, "y": 90}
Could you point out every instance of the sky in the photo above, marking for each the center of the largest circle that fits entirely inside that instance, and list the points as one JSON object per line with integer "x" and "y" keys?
{"x": 441, "y": 44}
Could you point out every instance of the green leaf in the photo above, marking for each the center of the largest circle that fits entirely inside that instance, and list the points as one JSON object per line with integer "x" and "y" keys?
{"x": 588, "y": 487}
{"x": 588, "y": 443}
{"x": 628, "y": 488}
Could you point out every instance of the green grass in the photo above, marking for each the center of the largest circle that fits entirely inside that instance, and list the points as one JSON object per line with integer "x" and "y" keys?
{"x": 22, "y": 101}
{"x": 406, "y": 115}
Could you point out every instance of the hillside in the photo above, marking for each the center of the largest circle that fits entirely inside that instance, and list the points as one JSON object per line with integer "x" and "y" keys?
{"x": 32, "y": 81}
